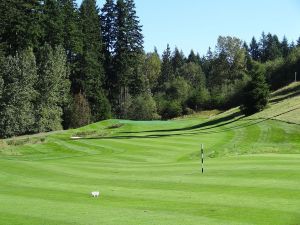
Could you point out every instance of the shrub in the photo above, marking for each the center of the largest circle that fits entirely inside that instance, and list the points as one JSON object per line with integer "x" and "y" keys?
{"x": 171, "y": 110}
{"x": 256, "y": 93}
{"x": 199, "y": 99}
{"x": 143, "y": 108}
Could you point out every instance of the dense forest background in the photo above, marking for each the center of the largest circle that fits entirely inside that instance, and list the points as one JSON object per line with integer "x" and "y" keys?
{"x": 64, "y": 66}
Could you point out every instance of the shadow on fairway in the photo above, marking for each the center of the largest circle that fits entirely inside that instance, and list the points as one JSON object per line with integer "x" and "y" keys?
{"x": 197, "y": 129}
{"x": 284, "y": 97}
{"x": 203, "y": 126}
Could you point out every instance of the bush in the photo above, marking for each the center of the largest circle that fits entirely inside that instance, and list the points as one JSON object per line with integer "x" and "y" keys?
{"x": 188, "y": 111}
{"x": 177, "y": 90}
{"x": 171, "y": 110}
{"x": 80, "y": 111}
{"x": 256, "y": 93}
{"x": 199, "y": 99}
{"x": 143, "y": 108}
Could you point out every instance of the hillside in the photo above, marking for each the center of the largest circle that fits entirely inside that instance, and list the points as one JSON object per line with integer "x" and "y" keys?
{"x": 149, "y": 172}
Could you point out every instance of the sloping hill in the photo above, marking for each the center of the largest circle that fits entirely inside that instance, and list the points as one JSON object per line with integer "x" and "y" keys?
{"x": 149, "y": 172}
{"x": 284, "y": 105}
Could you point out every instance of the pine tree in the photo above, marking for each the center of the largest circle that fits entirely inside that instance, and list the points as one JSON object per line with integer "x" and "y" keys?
{"x": 19, "y": 74}
{"x": 166, "y": 68}
{"x": 246, "y": 47}
{"x": 298, "y": 42}
{"x": 53, "y": 23}
{"x": 20, "y": 25}
{"x": 271, "y": 47}
{"x": 72, "y": 36}
{"x": 72, "y": 41}
{"x": 128, "y": 52}
{"x": 134, "y": 29}
{"x": 109, "y": 33}
{"x": 177, "y": 60}
{"x": 254, "y": 50}
{"x": 53, "y": 87}
{"x": 108, "y": 26}
{"x": 292, "y": 46}
{"x": 275, "y": 48}
{"x": 256, "y": 93}
{"x": 193, "y": 58}
{"x": 285, "y": 49}
{"x": 92, "y": 71}
{"x": 263, "y": 44}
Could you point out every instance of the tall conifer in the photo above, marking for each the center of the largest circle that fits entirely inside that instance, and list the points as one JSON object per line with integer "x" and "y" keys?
{"x": 53, "y": 23}
{"x": 92, "y": 71}
{"x": 128, "y": 51}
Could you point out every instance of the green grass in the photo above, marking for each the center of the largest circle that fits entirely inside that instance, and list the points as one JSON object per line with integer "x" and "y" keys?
{"x": 148, "y": 173}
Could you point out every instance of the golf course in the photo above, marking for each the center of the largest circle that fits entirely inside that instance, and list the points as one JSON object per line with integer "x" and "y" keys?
{"x": 150, "y": 172}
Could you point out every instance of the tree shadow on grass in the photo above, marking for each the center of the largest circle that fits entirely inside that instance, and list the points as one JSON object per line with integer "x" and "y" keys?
{"x": 294, "y": 90}
{"x": 203, "y": 126}
{"x": 276, "y": 100}
{"x": 198, "y": 129}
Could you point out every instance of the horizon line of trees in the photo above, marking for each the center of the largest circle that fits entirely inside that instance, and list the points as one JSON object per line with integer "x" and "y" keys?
{"x": 64, "y": 66}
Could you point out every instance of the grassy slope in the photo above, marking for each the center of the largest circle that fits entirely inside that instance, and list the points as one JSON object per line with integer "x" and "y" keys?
{"x": 148, "y": 172}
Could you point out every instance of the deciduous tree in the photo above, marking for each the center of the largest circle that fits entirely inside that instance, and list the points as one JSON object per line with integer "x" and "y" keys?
{"x": 53, "y": 88}
{"x": 19, "y": 75}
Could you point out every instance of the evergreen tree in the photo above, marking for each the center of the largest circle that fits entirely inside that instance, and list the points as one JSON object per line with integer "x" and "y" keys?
{"x": 108, "y": 25}
{"x": 177, "y": 60}
{"x": 92, "y": 71}
{"x": 166, "y": 68}
{"x": 298, "y": 42}
{"x": 53, "y": 87}
{"x": 53, "y": 23}
{"x": 263, "y": 44}
{"x": 193, "y": 58}
{"x": 285, "y": 49}
{"x": 109, "y": 33}
{"x": 256, "y": 93}
{"x": 272, "y": 48}
{"x": 19, "y": 75}
{"x": 20, "y": 25}
{"x": 72, "y": 36}
{"x": 254, "y": 50}
{"x": 207, "y": 62}
{"x": 292, "y": 46}
{"x": 134, "y": 29}
{"x": 128, "y": 52}
{"x": 72, "y": 41}
{"x": 246, "y": 47}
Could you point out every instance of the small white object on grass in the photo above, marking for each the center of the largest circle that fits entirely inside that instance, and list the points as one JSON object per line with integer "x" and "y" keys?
{"x": 75, "y": 138}
{"x": 95, "y": 194}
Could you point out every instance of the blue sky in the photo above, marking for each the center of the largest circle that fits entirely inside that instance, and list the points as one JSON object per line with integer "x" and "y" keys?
{"x": 196, "y": 24}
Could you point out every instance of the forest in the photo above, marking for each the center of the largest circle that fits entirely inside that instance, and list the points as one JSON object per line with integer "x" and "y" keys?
{"x": 65, "y": 66}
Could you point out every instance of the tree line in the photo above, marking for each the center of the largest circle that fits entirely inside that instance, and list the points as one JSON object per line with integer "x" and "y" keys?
{"x": 64, "y": 66}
